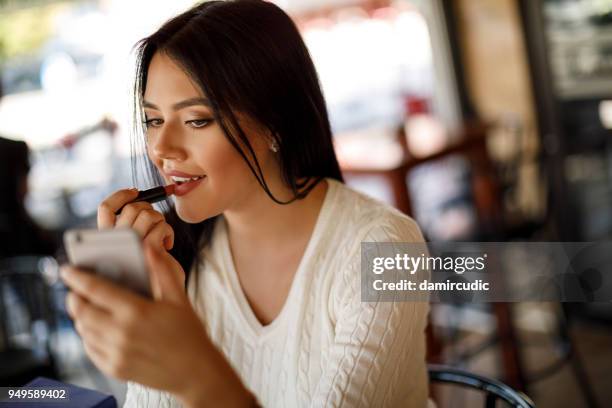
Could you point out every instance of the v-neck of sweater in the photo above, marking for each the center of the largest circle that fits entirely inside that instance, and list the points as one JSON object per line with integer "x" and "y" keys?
{"x": 251, "y": 322}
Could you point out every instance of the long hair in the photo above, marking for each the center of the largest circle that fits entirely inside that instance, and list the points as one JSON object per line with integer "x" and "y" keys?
{"x": 245, "y": 56}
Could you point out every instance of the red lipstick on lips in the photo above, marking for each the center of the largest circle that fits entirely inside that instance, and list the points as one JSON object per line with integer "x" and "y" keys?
{"x": 184, "y": 187}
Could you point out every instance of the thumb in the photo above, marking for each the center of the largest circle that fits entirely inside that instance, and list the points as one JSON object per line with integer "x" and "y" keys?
{"x": 167, "y": 275}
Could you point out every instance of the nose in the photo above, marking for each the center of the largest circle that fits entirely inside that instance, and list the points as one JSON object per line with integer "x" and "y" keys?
{"x": 165, "y": 144}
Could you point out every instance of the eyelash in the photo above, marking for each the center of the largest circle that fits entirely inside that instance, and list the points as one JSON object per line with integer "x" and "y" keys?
{"x": 193, "y": 123}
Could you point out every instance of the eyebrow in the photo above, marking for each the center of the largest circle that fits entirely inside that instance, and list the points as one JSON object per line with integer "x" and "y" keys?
{"x": 182, "y": 104}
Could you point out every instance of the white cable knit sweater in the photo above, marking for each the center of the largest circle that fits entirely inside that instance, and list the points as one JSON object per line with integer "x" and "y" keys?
{"x": 326, "y": 348}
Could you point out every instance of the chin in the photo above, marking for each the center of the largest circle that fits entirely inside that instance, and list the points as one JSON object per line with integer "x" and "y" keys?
{"x": 191, "y": 215}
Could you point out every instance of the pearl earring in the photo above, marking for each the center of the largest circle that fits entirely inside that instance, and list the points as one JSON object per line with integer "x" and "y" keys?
{"x": 274, "y": 146}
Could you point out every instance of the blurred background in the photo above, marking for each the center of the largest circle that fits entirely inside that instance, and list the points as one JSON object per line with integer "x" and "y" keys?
{"x": 482, "y": 119}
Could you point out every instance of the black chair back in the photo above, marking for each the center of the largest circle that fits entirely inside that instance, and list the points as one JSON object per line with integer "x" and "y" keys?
{"x": 494, "y": 390}
{"x": 27, "y": 320}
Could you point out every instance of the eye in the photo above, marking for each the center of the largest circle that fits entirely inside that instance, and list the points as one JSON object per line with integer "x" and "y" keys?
{"x": 198, "y": 123}
{"x": 153, "y": 122}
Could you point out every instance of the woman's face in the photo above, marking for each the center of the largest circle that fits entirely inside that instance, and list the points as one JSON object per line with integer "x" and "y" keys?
{"x": 184, "y": 141}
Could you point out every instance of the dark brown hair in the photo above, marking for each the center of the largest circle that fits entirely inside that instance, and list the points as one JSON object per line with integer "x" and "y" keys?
{"x": 246, "y": 56}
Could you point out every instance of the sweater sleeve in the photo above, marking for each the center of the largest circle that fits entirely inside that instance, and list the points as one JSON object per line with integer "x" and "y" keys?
{"x": 377, "y": 358}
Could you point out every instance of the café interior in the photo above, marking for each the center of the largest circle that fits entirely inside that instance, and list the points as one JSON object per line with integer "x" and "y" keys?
{"x": 484, "y": 120}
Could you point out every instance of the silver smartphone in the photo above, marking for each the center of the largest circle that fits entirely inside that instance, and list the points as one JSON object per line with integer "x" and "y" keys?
{"x": 115, "y": 254}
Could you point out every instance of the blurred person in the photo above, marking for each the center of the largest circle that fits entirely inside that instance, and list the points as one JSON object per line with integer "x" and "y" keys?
{"x": 255, "y": 268}
{"x": 19, "y": 233}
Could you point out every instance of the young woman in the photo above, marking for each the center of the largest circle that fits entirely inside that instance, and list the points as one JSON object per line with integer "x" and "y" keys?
{"x": 256, "y": 266}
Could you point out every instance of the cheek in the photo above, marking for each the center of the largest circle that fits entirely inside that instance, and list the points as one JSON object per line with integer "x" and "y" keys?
{"x": 229, "y": 179}
{"x": 221, "y": 162}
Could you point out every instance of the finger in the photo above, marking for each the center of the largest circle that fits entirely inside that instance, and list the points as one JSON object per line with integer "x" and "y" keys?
{"x": 130, "y": 212}
{"x": 162, "y": 236}
{"x": 87, "y": 331}
{"x": 87, "y": 313}
{"x": 96, "y": 326}
{"x": 97, "y": 354}
{"x": 94, "y": 349}
{"x": 147, "y": 221}
{"x": 167, "y": 273}
{"x": 112, "y": 203}
{"x": 102, "y": 292}
{"x": 90, "y": 333}
{"x": 106, "y": 338}
{"x": 109, "y": 362}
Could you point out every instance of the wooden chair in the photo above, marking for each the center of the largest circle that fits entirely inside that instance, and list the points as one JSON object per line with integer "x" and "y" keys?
{"x": 470, "y": 141}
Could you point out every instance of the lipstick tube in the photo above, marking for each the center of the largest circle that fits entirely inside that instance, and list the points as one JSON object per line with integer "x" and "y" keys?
{"x": 152, "y": 195}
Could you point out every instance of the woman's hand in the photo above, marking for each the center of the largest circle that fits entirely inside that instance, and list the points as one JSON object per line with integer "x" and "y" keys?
{"x": 149, "y": 223}
{"x": 159, "y": 343}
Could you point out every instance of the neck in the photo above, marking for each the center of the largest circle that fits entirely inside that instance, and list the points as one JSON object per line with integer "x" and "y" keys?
{"x": 263, "y": 222}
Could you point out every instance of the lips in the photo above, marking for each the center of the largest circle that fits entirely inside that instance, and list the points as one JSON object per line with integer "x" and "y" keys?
{"x": 181, "y": 177}
{"x": 184, "y": 188}
{"x": 184, "y": 182}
